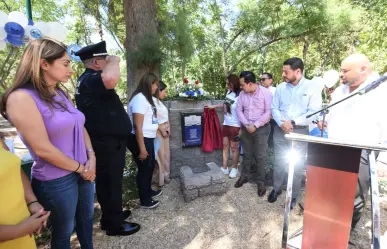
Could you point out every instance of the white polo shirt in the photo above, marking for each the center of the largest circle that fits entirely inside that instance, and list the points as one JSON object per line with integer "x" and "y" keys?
{"x": 362, "y": 118}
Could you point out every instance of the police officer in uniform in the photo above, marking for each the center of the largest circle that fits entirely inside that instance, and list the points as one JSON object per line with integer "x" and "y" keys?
{"x": 109, "y": 126}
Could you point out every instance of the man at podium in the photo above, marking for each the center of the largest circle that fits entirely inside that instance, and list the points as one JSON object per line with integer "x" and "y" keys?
{"x": 360, "y": 119}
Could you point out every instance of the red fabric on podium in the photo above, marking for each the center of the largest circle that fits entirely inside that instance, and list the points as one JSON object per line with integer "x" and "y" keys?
{"x": 212, "y": 133}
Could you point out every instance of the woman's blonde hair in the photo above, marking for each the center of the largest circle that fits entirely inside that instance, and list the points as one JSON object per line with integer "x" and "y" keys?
{"x": 29, "y": 73}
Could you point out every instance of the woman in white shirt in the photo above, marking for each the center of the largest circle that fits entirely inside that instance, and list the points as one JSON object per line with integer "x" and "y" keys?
{"x": 231, "y": 126}
{"x": 143, "y": 115}
{"x": 162, "y": 136}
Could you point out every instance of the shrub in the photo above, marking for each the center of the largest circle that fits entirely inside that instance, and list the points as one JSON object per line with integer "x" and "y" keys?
{"x": 129, "y": 185}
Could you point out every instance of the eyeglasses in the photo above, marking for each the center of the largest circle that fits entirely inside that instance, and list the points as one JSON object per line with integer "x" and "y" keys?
{"x": 263, "y": 79}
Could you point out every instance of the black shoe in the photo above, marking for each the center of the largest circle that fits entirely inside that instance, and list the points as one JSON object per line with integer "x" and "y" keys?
{"x": 150, "y": 205}
{"x": 261, "y": 189}
{"x": 156, "y": 193}
{"x": 273, "y": 196}
{"x": 293, "y": 203}
{"x": 242, "y": 180}
{"x": 127, "y": 228}
{"x": 126, "y": 213}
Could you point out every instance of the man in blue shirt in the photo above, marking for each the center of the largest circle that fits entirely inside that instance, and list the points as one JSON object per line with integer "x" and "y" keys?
{"x": 293, "y": 100}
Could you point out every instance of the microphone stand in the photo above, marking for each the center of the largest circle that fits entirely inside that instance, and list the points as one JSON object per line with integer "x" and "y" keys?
{"x": 325, "y": 110}
{"x": 362, "y": 91}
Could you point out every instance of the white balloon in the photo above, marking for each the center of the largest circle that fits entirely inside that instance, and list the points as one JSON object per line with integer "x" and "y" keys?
{"x": 2, "y": 45}
{"x": 318, "y": 83}
{"x": 27, "y": 31}
{"x": 330, "y": 78}
{"x": 57, "y": 31}
{"x": 32, "y": 32}
{"x": 18, "y": 17}
{"x": 3, "y": 18}
{"x": 3, "y": 34}
{"x": 43, "y": 27}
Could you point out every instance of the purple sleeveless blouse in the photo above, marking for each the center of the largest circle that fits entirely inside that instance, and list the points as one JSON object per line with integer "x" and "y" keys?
{"x": 65, "y": 131}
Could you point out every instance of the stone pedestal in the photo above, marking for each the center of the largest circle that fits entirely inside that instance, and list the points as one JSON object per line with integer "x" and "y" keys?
{"x": 193, "y": 157}
{"x": 211, "y": 182}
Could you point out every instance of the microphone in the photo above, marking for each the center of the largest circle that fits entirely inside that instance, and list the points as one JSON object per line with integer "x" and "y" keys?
{"x": 373, "y": 85}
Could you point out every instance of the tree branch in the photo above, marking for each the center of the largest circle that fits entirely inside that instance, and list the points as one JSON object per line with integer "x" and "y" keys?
{"x": 325, "y": 61}
{"x": 232, "y": 68}
{"x": 6, "y": 74}
{"x": 6, "y": 59}
{"x": 6, "y": 5}
{"x": 112, "y": 34}
{"x": 234, "y": 38}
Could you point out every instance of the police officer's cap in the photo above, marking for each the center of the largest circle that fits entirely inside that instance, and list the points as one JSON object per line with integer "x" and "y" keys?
{"x": 95, "y": 50}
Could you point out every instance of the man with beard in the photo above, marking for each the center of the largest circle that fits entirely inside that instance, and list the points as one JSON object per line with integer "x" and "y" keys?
{"x": 253, "y": 110}
{"x": 360, "y": 118}
{"x": 293, "y": 100}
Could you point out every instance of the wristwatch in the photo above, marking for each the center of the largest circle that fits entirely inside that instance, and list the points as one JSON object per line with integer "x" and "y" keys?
{"x": 292, "y": 122}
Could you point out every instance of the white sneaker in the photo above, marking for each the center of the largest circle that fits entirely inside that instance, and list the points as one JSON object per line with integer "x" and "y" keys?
{"x": 225, "y": 171}
{"x": 234, "y": 172}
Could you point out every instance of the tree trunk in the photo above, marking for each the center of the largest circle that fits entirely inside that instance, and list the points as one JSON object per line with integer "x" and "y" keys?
{"x": 223, "y": 38}
{"x": 183, "y": 69}
{"x": 305, "y": 53}
{"x": 201, "y": 71}
{"x": 140, "y": 20}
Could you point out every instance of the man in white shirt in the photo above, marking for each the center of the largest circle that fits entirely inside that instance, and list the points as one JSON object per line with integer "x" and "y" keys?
{"x": 266, "y": 80}
{"x": 361, "y": 118}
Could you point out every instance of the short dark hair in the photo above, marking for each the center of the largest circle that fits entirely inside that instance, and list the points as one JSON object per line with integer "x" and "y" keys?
{"x": 269, "y": 75}
{"x": 243, "y": 73}
{"x": 295, "y": 63}
{"x": 249, "y": 77}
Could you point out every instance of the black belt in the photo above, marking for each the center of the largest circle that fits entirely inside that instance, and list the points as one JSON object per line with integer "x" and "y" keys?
{"x": 300, "y": 126}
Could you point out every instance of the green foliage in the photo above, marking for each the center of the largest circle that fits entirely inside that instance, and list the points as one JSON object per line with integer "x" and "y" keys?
{"x": 148, "y": 53}
{"x": 208, "y": 39}
{"x": 129, "y": 185}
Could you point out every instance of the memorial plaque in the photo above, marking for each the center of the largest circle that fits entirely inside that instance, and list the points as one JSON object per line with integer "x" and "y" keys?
{"x": 192, "y": 129}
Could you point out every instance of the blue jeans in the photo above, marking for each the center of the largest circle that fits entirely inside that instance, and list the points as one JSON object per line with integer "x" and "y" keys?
{"x": 67, "y": 198}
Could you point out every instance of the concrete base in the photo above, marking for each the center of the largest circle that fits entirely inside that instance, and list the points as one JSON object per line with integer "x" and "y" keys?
{"x": 211, "y": 182}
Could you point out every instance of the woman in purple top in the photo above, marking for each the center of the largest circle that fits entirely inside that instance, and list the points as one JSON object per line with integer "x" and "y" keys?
{"x": 53, "y": 131}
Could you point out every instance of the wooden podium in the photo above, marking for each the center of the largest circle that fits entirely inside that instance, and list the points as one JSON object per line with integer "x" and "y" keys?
{"x": 331, "y": 179}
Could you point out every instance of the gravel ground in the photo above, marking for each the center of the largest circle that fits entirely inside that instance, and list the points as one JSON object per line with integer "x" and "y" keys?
{"x": 237, "y": 219}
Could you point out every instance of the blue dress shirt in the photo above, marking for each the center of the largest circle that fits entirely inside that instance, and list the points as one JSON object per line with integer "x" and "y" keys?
{"x": 296, "y": 102}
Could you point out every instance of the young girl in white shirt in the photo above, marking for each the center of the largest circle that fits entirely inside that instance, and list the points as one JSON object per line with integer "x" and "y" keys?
{"x": 231, "y": 126}
{"x": 143, "y": 115}
{"x": 162, "y": 136}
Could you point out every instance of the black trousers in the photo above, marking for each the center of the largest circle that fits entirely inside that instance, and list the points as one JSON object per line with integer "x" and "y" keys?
{"x": 270, "y": 140}
{"x": 110, "y": 155}
{"x": 145, "y": 168}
